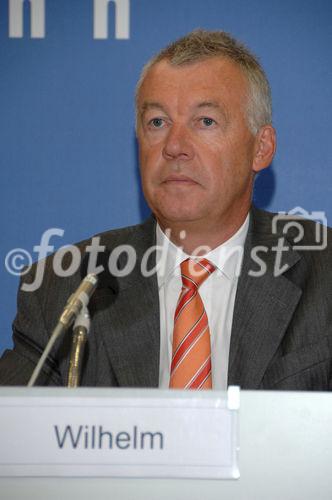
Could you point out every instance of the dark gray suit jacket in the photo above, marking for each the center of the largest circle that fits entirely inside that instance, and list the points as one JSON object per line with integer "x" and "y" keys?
{"x": 282, "y": 325}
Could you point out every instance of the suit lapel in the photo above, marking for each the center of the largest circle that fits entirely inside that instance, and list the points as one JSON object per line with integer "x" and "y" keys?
{"x": 127, "y": 317}
{"x": 263, "y": 308}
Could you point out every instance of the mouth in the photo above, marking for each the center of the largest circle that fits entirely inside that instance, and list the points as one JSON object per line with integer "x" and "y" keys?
{"x": 179, "y": 179}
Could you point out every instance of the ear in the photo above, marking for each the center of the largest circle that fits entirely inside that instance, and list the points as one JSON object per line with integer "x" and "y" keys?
{"x": 265, "y": 146}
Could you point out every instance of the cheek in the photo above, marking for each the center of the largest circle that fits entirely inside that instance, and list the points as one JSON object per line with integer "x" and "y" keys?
{"x": 151, "y": 164}
{"x": 153, "y": 140}
{"x": 149, "y": 151}
{"x": 223, "y": 168}
{"x": 149, "y": 167}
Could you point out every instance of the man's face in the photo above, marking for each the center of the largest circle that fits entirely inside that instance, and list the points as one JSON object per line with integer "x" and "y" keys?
{"x": 196, "y": 150}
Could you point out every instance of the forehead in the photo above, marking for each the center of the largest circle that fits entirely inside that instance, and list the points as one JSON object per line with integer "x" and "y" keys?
{"x": 214, "y": 78}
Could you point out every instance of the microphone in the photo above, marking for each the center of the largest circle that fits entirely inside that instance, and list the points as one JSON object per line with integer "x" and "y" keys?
{"x": 76, "y": 302}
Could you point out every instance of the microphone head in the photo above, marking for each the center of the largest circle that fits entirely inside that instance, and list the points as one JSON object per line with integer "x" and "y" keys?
{"x": 100, "y": 270}
{"x": 107, "y": 287}
{"x": 89, "y": 284}
{"x": 91, "y": 278}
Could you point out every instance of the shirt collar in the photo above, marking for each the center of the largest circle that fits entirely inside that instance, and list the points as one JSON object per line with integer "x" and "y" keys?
{"x": 227, "y": 257}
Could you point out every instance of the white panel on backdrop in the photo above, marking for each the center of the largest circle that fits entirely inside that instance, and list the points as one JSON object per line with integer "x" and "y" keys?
{"x": 100, "y": 19}
{"x": 37, "y": 18}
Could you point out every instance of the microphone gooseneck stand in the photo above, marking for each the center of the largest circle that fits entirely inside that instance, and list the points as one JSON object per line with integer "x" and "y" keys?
{"x": 76, "y": 304}
{"x": 80, "y": 335}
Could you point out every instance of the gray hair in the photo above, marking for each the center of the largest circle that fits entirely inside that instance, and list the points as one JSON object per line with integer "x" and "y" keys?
{"x": 200, "y": 45}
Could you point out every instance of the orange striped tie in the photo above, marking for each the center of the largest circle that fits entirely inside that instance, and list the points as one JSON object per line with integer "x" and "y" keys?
{"x": 191, "y": 358}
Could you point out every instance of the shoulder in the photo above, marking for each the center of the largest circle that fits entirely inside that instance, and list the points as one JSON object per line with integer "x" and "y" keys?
{"x": 305, "y": 245}
{"x": 59, "y": 273}
{"x": 304, "y": 234}
{"x": 138, "y": 234}
{"x": 143, "y": 232}
{"x": 46, "y": 286}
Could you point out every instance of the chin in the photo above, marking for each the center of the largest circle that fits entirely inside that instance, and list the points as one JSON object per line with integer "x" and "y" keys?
{"x": 176, "y": 216}
{"x": 176, "y": 209}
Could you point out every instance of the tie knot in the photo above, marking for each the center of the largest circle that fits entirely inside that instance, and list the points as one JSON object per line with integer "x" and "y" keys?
{"x": 195, "y": 272}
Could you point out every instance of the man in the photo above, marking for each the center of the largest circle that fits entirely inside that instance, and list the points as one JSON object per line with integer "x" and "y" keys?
{"x": 204, "y": 131}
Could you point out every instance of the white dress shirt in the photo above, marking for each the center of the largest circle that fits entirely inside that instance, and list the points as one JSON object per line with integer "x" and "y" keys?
{"x": 217, "y": 292}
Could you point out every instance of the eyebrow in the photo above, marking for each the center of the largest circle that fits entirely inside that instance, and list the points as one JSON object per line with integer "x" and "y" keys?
{"x": 151, "y": 105}
{"x": 209, "y": 104}
{"x": 213, "y": 105}
{"x": 147, "y": 105}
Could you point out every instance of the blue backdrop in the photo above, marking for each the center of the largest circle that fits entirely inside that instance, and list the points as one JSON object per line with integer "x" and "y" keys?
{"x": 67, "y": 142}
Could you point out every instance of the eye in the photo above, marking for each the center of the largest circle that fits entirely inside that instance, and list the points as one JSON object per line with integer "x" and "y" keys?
{"x": 156, "y": 122}
{"x": 207, "y": 122}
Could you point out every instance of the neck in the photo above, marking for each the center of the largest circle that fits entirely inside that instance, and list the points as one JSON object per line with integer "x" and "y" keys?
{"x": 199, "y": 239}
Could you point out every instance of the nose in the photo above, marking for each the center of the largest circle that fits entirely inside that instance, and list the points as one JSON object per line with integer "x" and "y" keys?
{"x": 178, "y": 145}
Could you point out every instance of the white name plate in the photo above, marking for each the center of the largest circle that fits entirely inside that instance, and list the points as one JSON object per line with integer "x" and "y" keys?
{"x": 133, "y": 433}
